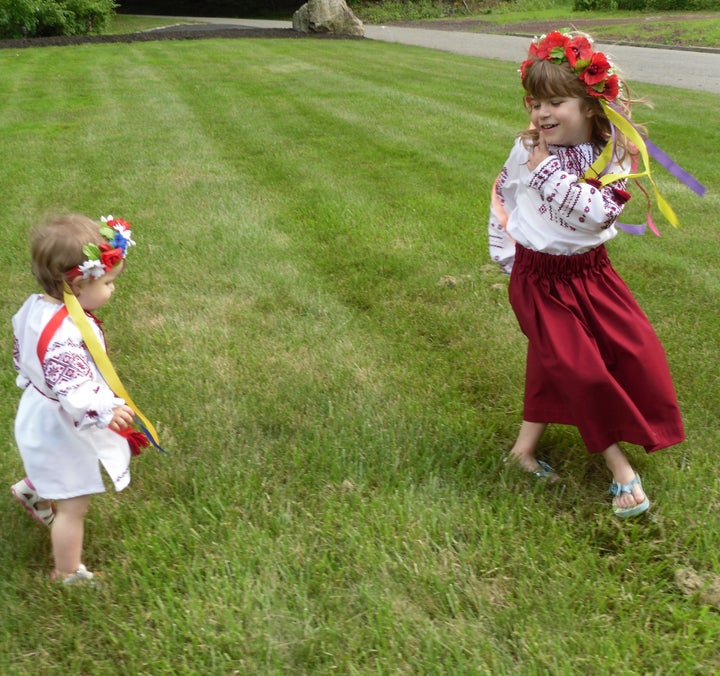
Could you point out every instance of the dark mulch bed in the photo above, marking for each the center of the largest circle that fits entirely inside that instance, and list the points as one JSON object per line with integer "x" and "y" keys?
{"x": 180, "y": 32}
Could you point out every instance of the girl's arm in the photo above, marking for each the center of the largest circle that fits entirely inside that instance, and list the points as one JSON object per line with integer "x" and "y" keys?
{"x": 22, "y": 381}
{"x": 123, "y": 417}
{"x": 500, "y": 244}
{"x": 71, "y": 376}
{"x": 575, "y": 204}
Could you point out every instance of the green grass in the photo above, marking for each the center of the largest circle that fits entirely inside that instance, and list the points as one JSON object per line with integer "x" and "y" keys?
{"x": 311, "y": 319}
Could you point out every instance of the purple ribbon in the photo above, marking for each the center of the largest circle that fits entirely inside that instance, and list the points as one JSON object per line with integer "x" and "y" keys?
{"x": 632, "y": 229}
{"x": 665, "y": 161}
{"x": 662, "y": 158}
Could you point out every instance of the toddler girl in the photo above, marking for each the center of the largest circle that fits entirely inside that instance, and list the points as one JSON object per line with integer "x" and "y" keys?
{"x": 69, "y": 422}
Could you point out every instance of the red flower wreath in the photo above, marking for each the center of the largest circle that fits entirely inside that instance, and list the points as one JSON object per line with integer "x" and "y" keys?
{"x": 593, "y": 68}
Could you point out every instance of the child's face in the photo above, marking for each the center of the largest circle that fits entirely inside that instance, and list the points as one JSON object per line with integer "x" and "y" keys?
{"x": 561, "y": 120}
{"x": 94, "y": 293}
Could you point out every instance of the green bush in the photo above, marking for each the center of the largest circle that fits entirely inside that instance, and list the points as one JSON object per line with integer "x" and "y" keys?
{"x": 40, "y": 18}
{"x": 684, "y": 5}
{"x": 409, "y": 10}
{"x": 632, "y": 5}
{"x": 590, "y": 5}
{"x": 650, "y": 5}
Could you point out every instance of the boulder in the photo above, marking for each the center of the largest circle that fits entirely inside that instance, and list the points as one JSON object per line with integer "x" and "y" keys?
{"x": 327, "y": 16}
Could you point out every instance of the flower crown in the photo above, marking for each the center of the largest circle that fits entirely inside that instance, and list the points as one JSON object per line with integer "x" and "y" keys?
{"x": 592, "y": 68}
{"x": 101, "y": 258}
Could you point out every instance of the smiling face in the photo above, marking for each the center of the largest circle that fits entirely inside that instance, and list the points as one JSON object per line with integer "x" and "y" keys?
{"x": 563, "y": 121}
{"x": 559, "y": 104}
{"x": 94, "y": 293}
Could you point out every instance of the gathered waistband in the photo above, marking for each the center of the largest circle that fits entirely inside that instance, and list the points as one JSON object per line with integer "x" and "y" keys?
{"x": 551, "y": 265}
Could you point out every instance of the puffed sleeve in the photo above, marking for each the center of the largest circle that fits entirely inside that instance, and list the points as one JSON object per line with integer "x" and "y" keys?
{"x": 501, "y": 245}
{"x": 22, "y": 381}
{"x": 584, "y": 206}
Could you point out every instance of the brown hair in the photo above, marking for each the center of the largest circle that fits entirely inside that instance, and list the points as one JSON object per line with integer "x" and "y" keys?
{"x": 546, "y": 80}
{"x": 56, "y": 248}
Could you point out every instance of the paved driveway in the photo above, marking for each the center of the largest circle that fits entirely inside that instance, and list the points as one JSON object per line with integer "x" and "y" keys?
{"x": 677, "y": 68}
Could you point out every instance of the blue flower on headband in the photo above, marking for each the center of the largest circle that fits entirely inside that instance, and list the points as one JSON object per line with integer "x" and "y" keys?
{"x": 117, "y": 232}
{"x": 120, "y": 242}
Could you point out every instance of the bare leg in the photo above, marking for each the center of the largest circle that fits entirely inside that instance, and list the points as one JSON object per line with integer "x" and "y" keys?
{"x": 67, "y": 534}
{"x": 523, "y": 451}
{"x": 623, "y": 473}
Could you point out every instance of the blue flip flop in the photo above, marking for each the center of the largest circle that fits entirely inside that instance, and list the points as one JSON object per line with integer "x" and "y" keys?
{"x": 627, "y": 512}
{"x": 545, "y": 471}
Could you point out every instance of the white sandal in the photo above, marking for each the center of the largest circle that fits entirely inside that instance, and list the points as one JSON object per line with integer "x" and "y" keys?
{"x": 82, "y": 574}
{"x": 24, "y": 492}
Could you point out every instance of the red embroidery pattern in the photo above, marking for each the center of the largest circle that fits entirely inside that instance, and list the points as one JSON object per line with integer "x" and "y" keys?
{"x": 563, "y": 199}
{"x": 66, "y": 366}
{"x": 16, "y": 353}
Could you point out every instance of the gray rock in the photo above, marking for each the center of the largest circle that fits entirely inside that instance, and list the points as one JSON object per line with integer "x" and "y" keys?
{"x": 327, "y": 16}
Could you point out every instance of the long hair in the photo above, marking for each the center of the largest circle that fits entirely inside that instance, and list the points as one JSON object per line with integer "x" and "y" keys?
{"x": 56, "y": 248}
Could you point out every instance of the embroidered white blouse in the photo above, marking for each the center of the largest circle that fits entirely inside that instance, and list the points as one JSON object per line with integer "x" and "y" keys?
{"x": 549, "y": 209}
{"x": 61, "y": 423}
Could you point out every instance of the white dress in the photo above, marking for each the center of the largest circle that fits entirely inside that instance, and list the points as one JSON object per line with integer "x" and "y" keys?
{"x": 61, "y": 427}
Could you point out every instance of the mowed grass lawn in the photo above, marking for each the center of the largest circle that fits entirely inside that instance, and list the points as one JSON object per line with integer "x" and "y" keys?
{"x": 311, "y": 319}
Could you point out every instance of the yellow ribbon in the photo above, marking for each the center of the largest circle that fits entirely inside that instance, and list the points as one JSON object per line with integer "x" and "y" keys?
{"x": 605, "y": 157}
{"x": 101, "y": 359}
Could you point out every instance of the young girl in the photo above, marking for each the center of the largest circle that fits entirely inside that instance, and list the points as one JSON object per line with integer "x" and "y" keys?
{"x": 593, "y": 359}
{"x": 69, "y": 421}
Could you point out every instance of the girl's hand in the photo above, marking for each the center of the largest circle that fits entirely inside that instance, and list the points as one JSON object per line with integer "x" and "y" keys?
{"x": 123, "y": 417}
{"x": 538, "y": 154}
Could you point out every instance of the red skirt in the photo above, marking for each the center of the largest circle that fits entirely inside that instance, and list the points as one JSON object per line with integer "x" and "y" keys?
{"x": 594, "y": 361}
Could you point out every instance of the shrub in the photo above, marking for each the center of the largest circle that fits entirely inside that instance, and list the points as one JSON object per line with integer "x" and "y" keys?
{"x": 38, "y": 18}
{"x": 410, "y": 10}
{"x": 684, "y": 5}
{"x": 589, "y": 5}
{"x": 650, "y": 5}
{"x": 632, "y": 5}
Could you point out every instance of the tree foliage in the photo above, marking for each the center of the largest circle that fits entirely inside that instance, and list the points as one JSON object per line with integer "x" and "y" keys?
{"x": 42, "y": 18}
{"x": 646, "y": 5}
{"x": 228, "y": 8}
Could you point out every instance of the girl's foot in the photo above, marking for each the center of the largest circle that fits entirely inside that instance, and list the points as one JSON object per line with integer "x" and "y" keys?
{"x": 629, "y": 499}
{"x": 43, "y": 511}
{"x": 529, "y": 463}
{"x": 82, "y": 574}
